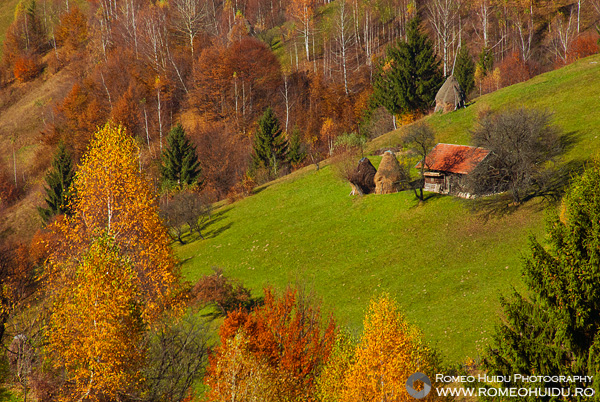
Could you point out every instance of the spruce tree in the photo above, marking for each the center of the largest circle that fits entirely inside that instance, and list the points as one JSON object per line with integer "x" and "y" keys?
{"x": 58, "y": 180}
{"x": 296, "y": 152}
{"x": 270, "y": 145}
{"x": 486, "y": 60}
{"x": 409, "y": 77}
{"x": 180, "y": 166}
{"x": 554, "y": 327}
{"x": 464, "y": 72}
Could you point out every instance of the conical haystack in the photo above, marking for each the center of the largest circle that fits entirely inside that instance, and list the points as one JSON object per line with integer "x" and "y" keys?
{"x": 362, "y": 178}
{"x": 388, "y": 178}
{"x": 450, "y": 96}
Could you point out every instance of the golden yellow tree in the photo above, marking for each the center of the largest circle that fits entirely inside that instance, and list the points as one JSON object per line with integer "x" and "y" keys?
{"x": 113, "y": 200}
{"x": 330, "y": 383}
{"x": 389, "y": 352}
{"x": 241, "y": 376}
{"x": 95, "y": 329}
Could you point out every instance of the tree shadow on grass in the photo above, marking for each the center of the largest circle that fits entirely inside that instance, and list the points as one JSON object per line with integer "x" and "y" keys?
{"x": 432, "y": 196}
{"x": 217, "y": 231}
{"x": 259, "y": 189}
{"x": 213, "y": 312}
{"x": 413, "y": 187}
{"x": 209, "y": 229}
{"x": 568, "y": 141}
{"x": 549, "y": 188}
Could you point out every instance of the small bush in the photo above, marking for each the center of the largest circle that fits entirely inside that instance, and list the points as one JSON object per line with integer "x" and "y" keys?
{"x": 185, "y": 209}
{"x": 27, "y": 68}
{"x": 225, "y": 293}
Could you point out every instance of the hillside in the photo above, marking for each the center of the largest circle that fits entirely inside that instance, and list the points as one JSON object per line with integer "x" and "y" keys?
{"x": 446, "y": 266}
{"x": 24, "y": 111}
{"x": 7, "y": 13}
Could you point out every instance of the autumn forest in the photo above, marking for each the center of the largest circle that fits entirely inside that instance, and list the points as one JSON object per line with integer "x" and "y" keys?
{"x": 161, "y": 111}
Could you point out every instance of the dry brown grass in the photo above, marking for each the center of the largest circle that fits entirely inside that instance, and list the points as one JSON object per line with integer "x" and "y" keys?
{"x": 7, "y": 12}
{"x": 25, "y": 108}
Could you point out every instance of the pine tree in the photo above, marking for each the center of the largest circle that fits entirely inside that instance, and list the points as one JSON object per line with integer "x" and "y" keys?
{"x": 409, "y": 77}
{"x": 555, "y": 327}
{"x": 180, "y": 165}
{"x": 270, "y": 145}
{"x": 465, "y": 70}
{"x": 59, "y": 179}
{"x": 486, "y": 60}
{"x": 296, "y": 152}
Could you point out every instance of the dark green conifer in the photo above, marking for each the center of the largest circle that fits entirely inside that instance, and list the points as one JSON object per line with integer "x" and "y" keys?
{"x": 486, "y": 60}
{"x": 270, "y": 145}
{"x": 180, "y": 166}
{"x": 408, "y": 78}
{"x": 554, "y": 326}
{"x": 58, "y": 189}
{"x": 296, "y": 152}
{"x": 464, "y": 72}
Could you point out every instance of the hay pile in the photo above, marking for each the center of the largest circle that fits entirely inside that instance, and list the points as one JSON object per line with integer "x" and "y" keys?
{"x": 450, "y": 96}
{"x": 389, "y": 176}
{"x": 362, "y": 178}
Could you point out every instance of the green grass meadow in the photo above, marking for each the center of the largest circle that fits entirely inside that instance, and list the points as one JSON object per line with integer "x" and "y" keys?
{"x": 445, "y": 265}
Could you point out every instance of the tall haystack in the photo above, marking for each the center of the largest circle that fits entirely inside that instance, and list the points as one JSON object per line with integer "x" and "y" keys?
{"x": 362, "y": 179}
{"x": 388, "y": 178}
{"x": 450, "y": 96}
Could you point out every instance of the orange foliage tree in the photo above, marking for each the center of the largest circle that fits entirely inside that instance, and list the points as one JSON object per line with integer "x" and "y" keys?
{"x": 127, "y": 111}
{"x": 25, "y": 41}
{"x": 236, "y": 83}
{"x": 513, "y": 70}
{"x": 26, "y": 68}
{"x": 390, "y": 351}
{"x": 287, "y": 340}
{"x": 224, "y": 155}
{"x": 78, "y": 116}
{"x": 585, "y": 45}
{"x": 72, "y": 32}
{"x": 111, "y": 272}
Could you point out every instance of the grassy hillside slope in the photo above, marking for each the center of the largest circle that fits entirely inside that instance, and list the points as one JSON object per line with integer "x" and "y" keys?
{"x": 444, "y": 265}
{"x": 7, "y": 15}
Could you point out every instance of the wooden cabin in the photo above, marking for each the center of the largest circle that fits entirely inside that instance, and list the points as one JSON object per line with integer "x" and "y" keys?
{"x": 447, "y": 167}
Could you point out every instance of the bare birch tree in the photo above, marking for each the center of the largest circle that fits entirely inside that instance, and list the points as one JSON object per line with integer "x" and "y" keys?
{"x": 303, "y": 12}
{"x": 188, "y": 19}
{"x": 562, "y": 33}
{"x": 522, "y": 19}
{"x": 444, "y": 19}
{"x": 344, "y": 39}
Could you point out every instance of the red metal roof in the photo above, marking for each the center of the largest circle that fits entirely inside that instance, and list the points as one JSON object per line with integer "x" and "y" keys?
{"x": 453, "y": 158}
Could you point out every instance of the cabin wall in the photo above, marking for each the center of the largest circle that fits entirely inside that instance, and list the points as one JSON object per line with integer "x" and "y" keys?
{"x": 448, "y": 183}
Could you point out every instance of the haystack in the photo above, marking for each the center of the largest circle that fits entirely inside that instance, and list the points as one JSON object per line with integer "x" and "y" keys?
{"x": 388, "y": 178}
{"x": 362, "y": 179}
{"x": 450, "y": 96}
